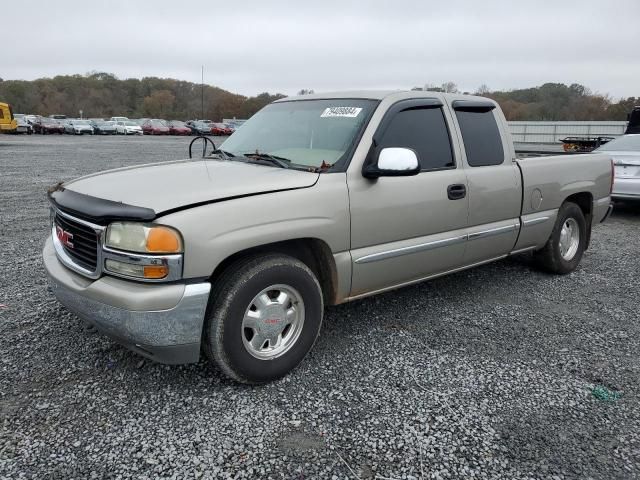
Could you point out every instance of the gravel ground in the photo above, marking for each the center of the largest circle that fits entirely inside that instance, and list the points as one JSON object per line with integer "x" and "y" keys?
{"x": 487, "y": 373}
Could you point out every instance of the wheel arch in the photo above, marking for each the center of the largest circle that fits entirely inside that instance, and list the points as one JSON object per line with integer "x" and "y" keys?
{"x": 584, "y": 200}
{"x": 313, "y": 252}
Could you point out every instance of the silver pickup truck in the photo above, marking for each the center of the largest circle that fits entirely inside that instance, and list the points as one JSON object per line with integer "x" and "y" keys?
{"x": 314, "y": 201}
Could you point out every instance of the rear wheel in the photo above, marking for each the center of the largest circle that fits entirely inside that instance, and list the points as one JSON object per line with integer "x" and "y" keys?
{"x": 563, "y": 251}
{"x": 264, "y": 316}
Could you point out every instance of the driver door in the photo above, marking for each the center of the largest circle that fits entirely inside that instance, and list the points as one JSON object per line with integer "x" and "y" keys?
{"x": 404, "y": 229}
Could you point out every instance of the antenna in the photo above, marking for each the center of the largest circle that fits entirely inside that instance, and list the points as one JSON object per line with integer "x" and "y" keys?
{"x": 202, "y": 94}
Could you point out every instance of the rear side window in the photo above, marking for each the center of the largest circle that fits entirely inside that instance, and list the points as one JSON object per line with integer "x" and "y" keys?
{"x": 481, "y": 137}
{"x": 425, "y": 131}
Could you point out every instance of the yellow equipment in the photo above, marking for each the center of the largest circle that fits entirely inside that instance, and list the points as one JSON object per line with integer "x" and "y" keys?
{"x": 7, "y": 122}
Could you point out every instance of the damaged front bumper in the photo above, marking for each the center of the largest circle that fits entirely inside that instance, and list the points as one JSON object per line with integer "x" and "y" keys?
{"x": 161, "y": 322}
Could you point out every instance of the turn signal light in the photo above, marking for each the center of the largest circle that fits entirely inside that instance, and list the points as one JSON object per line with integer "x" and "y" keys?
{"x": 162, "y": 239}
{"x": 156, "y": 271}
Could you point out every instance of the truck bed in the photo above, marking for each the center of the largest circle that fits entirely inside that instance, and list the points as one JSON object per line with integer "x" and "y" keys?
{"x": 571, "y": 174}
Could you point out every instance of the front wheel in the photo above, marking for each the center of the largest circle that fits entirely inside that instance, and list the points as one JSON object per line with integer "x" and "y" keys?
{"x": 563, "y": 251}
{"x": 264, "y": 316}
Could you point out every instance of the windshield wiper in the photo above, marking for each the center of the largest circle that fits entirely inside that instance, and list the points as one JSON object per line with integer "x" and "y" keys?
{"x": 278, "y": 161}
{"x": 223, "y": 153}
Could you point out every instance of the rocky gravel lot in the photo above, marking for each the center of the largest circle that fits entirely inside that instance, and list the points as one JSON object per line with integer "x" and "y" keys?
{"x": 488, "y": 373}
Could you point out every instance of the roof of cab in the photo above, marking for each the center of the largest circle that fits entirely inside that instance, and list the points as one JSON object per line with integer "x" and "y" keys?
{"x": 382, "y": 94}
{"x": 364, "y": 94}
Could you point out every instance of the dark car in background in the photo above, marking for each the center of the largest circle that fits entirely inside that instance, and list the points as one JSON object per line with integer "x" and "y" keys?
{"x": 104, "y": 127}
{"x": 198, "y": 127}
{"x": 45, "y": 125}
{"x": 634, "y": 121}
{"x": 155, "y": 126}
{"x": 177, "y": 127}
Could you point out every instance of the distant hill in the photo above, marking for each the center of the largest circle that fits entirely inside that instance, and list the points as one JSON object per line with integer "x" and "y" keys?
{"x": 551, "y": 101}
{"x": 100, "y": 94}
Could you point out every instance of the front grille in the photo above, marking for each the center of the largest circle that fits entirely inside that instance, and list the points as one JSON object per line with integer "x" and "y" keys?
{"x": 85, "y": 242}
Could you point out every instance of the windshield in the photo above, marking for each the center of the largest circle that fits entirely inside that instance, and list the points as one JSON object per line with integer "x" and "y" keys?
{"x": 176, "y": 123}
{"x": 157, "y": 123}
{"x": 312, "y": 133}
{"x": 131, "y": 124}
{"x": 81, "y": 122}
{"x": 622, "y": 144}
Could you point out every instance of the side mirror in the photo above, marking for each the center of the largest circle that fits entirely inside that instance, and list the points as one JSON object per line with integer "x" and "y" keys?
{"x": 393, "y": 162}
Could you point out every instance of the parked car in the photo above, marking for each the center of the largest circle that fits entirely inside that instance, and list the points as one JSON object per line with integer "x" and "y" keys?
{"x": 219, "y": 129}
{"x": 22, "y": 125}
{"x": 127, "y": 127}
{"x": 625, "y": 152}
{"x": 237, "y": 255}
{"x": 155, "y": 126}
{"x": 78, "y": 127}
{"x": 177, "y": 127}
{"x": 198, "y": 127}
{"x": 104, "y": 127}
{"x": 230, "y": 127}
{"x": 45, "y": 125}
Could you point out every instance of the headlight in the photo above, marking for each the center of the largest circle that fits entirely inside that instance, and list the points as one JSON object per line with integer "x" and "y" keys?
{"x": 144, "y": 238}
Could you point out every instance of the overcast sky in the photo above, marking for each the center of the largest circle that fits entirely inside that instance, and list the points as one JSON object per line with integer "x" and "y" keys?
{"x": 282, "y": 46}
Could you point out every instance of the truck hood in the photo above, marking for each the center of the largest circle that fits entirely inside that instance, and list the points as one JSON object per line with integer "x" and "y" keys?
{"x": 171, "y": 186}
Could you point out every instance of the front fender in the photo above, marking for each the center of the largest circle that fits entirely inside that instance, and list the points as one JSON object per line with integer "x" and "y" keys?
{"x": 216, "y": 231}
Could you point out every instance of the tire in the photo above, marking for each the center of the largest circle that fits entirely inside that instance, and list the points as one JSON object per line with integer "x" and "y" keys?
{"x": 562, "y": 252}
{"x": 246, "y": 286}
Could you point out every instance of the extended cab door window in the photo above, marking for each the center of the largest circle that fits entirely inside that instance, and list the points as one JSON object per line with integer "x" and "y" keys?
{"x": 425, "y": 131}
{"x": 480, "y": 133}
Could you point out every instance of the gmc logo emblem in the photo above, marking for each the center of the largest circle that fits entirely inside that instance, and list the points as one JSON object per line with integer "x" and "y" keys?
{"x": 64, "y": 237}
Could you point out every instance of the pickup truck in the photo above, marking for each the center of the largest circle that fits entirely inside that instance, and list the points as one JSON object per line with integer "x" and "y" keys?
{"x": 315, "y": 201}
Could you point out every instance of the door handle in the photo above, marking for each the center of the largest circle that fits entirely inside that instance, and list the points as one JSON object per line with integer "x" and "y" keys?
{"x": 456, "y": 191}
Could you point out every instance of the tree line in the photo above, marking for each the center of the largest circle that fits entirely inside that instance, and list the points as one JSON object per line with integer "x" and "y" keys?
{"x": 551, "y": 102}
{"x": 103, "y": 95}
{"x": 100, "y": 94}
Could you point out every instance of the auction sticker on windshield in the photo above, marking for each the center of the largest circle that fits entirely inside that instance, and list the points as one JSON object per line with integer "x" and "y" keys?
{"x": 350, "y": 112}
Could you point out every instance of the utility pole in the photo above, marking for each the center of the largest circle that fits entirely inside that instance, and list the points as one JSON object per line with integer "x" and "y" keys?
{"x": 202, "y": 95}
